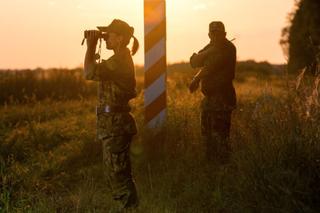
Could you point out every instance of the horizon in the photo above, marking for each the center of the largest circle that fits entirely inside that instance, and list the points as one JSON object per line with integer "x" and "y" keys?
{"x": 53, "y": 41}
{"x": 137, "y": 66}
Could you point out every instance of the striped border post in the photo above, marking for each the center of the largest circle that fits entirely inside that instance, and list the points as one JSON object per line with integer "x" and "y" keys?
{"x": 155, "y": 62}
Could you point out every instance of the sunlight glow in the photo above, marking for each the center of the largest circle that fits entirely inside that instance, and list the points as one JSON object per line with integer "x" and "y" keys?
{"x": 48, "y": 33}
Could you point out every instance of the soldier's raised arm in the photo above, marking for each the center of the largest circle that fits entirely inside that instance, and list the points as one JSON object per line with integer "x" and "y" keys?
{"x": 89, "y": 60}
{"x": 197, "y": 59}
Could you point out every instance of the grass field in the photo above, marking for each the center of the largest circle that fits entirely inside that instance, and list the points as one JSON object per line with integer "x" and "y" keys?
{"x": 51, "y": 162}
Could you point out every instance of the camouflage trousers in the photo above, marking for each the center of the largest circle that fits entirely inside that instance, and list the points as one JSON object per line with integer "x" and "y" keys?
{"x": 215, "y": 130}
{"x": 116, "y": 159}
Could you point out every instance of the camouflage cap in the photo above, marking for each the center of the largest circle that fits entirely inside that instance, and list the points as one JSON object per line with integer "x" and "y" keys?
{"x": 216, "y": 26}
{"x": 118, "y": 26}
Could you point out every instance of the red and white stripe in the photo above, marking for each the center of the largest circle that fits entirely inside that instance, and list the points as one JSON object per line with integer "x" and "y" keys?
{"x": 155, "y": 62}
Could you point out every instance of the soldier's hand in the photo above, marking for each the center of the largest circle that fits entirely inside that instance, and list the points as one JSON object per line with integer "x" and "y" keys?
{"x": 92, "y": 37}
{"x": 194, "y": 85}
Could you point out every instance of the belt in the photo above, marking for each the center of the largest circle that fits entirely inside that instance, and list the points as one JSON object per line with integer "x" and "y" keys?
{"x": 111, "y": 109}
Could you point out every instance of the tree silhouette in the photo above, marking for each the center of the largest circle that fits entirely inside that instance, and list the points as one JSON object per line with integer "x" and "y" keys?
{"x": 301, "y": 38}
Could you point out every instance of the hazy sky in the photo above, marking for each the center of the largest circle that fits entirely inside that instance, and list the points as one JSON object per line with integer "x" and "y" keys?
{"x": 48, "y": 33}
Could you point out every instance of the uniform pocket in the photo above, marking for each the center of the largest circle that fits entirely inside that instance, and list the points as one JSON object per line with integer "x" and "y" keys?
{"x": 104, "y": 126}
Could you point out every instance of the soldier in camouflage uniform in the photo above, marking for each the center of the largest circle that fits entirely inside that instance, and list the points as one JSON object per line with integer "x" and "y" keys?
{"x": 115, "y": 125}
{"x": 217, "y": 61}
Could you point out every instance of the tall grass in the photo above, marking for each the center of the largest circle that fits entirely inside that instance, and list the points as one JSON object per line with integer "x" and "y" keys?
{"x": 32, "y": 85}
{"x": 51, "y": 162}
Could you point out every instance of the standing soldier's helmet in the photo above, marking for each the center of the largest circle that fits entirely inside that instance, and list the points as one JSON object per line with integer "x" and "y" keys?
{"x": 216, "y": 26}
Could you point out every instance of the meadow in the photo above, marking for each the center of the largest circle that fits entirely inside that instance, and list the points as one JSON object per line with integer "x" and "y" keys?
{"x": 51, "y": 162}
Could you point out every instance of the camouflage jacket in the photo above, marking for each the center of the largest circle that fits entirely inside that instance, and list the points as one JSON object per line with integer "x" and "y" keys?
{"x": 116, "y": 78}
{"x": 217, "y": 74}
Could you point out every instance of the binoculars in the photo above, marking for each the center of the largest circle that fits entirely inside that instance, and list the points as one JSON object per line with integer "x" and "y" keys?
{"x": 98, "y": 34}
